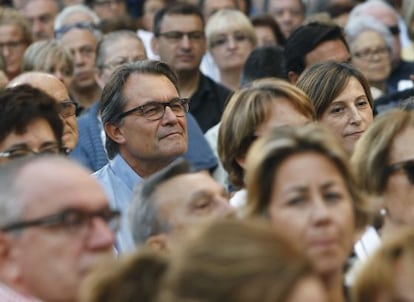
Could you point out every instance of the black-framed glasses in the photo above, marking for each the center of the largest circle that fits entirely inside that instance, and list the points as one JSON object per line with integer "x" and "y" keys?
{"x": 407, "y": 166}
{"x": 121, "y": 61}
{"x": 154, "y": 110}
{"x": 67, "y": 108}
{"x": 70, "y": 219}
{"x": 23, "y": 151}
{"x": 176, "y": 36}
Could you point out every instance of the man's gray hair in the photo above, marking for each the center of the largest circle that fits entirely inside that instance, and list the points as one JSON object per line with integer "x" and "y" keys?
{"x": 113, "y": 101}
{"x": 143, "y": 215}
{"x": 60, "y": 27}
{"x": 111, "y": 39}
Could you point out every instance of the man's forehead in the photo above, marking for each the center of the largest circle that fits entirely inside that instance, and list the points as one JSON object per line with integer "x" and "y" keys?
{"x": 178, "y": 21}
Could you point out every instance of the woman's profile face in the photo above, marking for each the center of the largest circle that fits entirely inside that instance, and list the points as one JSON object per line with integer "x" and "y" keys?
{"x": 399, "y": 191}
{"x": 312, "y": 205}
{"x": 349, "y": 114}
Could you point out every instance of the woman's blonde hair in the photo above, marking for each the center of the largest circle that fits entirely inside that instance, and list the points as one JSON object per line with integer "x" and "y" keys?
{"x": 246, "y": 110}
{"x": 234, "y": 261}
{"x": 229, "y": 19}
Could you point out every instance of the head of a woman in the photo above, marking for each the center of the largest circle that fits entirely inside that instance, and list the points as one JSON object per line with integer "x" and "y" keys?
{"x": 389, "y": 274}
{"x": 300, "y": 180}
{"x": 210, "y": 266}
{"x": 230, "y": 38}
{"x": 252, "y": 111}
{"x": 371, "y": 44}
{"x": 51, "y": 57}
{"x": 384, "y": 162}
{"x": 342, "y": 99}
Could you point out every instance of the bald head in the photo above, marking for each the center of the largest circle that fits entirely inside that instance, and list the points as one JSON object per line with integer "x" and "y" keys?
{"x": 52, "y": 86}
{"x": 44, "y": 81}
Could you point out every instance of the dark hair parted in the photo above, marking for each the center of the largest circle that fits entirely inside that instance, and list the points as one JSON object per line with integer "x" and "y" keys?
{"x": 22, "y": 105}
{"x": 267, "y": 20}
{"x": 180, "y": 8}
{"x": 113, "y": 101}
{"x": 323, "y": 82}
{"x": 305, "y": 38}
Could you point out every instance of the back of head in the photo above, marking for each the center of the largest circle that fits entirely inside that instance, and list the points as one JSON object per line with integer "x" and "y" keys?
{"x": 323, "y": 82}
{"x": 246, "y": 110}
{"x": 135, "y": 277}
{"x": 22, "y": 105}
{"x": 379, "y": 277}
{"x": 304, "y": 39}
{"x": 234, "y": 261}
{"x": 264, "y": 62}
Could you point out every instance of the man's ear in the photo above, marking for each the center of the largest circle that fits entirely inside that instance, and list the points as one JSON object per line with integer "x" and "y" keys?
{"x": 293, "y": 77}
{"x": 98, "y": 77}
{"x": 158, "y": 242}
{"x": 154, "y": 45}
{"x": 115, "y": 133}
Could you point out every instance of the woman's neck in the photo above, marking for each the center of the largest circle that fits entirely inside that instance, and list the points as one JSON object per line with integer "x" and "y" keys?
{"x": 334, "y": 284}
{"x": 230, "y": 79}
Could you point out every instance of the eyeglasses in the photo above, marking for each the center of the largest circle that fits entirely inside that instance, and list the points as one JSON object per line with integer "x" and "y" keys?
{"x": 13, "y": 45}
{"x": 407, "y": 166}
{"x": 225, "y": 39}
{"x": 67, "y": 108}
{"x": 177, "y": 36}
{"x": 395, "y": 30}
{"x": 73, "y": 220}
{"x": 80, "y": 25}
{"x": 366, "y": 54}
{"x": 22, "y": 152}
{"x": 155, "y": 110}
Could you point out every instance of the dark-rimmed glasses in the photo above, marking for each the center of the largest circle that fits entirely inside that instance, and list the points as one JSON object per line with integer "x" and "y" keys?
{"x": 67, "y": 108}
{"x": 22, "y": 152}
{"x": 176, "y": 36}
{"x": 70, "y": 219}
{"x": 407, "y": 166}
{"x": 12, "y": 45}
{"x": 154, "y": 110}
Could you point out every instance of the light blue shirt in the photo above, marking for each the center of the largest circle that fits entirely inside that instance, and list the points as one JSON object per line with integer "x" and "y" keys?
{"x": 119, "y": 180}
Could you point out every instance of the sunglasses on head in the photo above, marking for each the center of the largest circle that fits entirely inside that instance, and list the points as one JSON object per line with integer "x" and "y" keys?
{"x": 407, "y": 166}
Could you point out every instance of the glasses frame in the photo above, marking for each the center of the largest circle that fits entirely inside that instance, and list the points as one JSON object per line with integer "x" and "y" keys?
{"x": 9, "y": 153}
{"x": 66, "y": 102}
{"x": 407, "y": 166}
{"x": 59, "y": 220}
{"x": 184, "y": 102}
{"x": 196, "y": 35}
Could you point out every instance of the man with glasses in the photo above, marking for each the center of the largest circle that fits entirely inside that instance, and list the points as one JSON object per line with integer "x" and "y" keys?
{"x": 114, "y": 50}
{"x": 15, "y": 37}
{"x": 55, "y": 225}
{"x": 56, "y": 89}
{"x": 29, "y": 123}
{"x": 179, "y": 40}
{"x": 144, "y": 119}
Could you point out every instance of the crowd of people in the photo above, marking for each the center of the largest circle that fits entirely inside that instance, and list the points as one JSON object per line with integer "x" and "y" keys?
{"x": 206, "y": 150}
